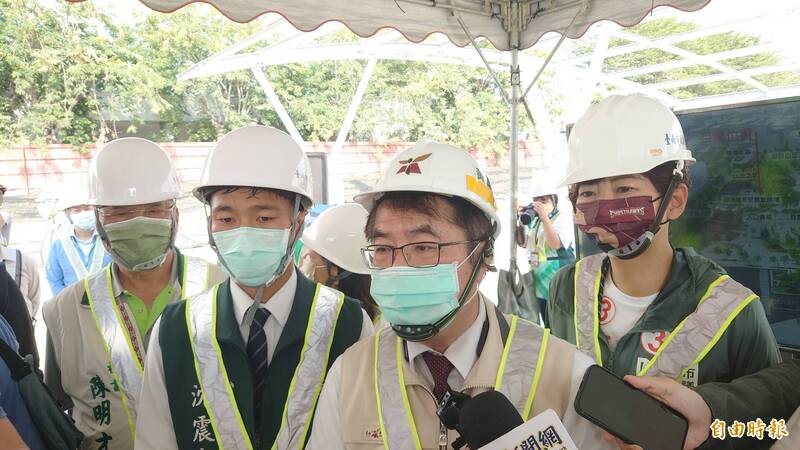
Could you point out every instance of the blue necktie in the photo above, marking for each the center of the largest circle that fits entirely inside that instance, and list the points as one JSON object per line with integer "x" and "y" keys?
{"x": 257, "y": 352}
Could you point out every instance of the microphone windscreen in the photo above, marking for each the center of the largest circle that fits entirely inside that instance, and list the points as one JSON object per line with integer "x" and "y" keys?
{"x": 486, "y": 417}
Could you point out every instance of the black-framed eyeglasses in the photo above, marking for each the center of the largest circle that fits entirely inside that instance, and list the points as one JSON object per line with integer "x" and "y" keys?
{"x": 416, "y": 254}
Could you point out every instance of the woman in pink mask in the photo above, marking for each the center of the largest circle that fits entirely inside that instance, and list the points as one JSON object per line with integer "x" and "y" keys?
{"x": 642, "y": 306}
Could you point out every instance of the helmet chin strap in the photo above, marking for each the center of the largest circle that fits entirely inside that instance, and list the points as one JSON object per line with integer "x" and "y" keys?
{"x": 642, "y": 243}
{"x": 417, "y": 333}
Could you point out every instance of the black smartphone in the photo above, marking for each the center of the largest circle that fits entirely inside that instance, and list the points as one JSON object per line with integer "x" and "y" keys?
{"x": 633, "y": 416}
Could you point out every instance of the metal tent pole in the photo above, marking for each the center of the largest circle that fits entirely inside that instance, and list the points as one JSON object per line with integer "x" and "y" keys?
{"x": 516, "y": 95}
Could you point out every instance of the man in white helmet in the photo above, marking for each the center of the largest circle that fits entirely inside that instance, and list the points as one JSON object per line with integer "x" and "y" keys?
{"x": 431, "y": 228}
{"x": 331, "y": 254}
{"x": 240, "y": 366}
{"x": 642, "y": 306}
{"x": 98, "y": 329}
{"x": 548, "y": 235}
{"x": 74, "y": 256}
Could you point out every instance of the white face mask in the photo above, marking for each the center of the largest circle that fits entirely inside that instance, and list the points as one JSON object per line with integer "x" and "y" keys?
{"x": 84, "y": 220}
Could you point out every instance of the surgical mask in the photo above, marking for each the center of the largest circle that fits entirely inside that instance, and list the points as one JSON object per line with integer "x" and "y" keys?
{"x": 416, "y": 296}
{"x": 252, "y": 255}
{"x": 83, "y": 220}
{"x": 140, "y": 243}
{"x": 627, "y": 219}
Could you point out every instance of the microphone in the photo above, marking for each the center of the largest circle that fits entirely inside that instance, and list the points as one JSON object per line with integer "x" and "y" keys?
{"x": 485, "y": 417}
{"x": 489, "y": 421}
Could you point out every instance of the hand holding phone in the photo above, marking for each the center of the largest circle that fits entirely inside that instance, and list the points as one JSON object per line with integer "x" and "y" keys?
{"x": 636, "y": 418}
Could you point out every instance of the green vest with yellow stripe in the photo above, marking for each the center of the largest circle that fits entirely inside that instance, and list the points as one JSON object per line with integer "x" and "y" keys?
{"x": 191, "y": 418}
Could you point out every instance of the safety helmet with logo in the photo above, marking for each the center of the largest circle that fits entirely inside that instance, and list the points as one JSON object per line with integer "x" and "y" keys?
{"x": 627, "y": 134}
{"x": 438, "y": 169}
{"x": 338, "y": 236}
{"x": 258, "y": 157}
{"x": 133, "y": 172}
{"x": 430, "y": 167}
{"x": 621, "y": 135}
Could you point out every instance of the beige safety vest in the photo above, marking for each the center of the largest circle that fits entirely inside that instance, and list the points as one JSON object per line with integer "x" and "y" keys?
{"x": 384, "y": 404}
{"x": 687, "y": 344}
{"x": 100, "y": 354}
{"x": 304, "y": 389}
{"x": 76, "y": 261}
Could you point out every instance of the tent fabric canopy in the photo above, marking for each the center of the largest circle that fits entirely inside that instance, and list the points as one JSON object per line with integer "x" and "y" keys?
{"x": 417, "y": 19}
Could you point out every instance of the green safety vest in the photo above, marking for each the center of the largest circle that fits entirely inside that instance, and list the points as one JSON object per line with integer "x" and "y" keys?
{"x": 209, "y": 380}
{"x": 687, "y": 344}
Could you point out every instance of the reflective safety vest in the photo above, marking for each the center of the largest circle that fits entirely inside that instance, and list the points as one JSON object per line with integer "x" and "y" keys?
{"x": 517, "y": 378}
{"x": 124, "y": 346}
{"x": 76, "y": 260}
{"x": 688, "y": 343}
{"x": 217, "y": 393}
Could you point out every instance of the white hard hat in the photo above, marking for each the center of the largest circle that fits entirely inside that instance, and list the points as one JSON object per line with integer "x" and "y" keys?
{"x": 131, "y": 171}
{"x": 72, "y": 196}
{"x": 542, "y": 185}
{"x": 338, "y": 236}
{"x": 438, "y": 169}
{"x": 257, "y": 156}
{"x": 621, "y": 135}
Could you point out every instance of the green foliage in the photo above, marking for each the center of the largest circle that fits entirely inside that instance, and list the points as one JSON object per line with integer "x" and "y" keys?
{"x": 70, "y": 74}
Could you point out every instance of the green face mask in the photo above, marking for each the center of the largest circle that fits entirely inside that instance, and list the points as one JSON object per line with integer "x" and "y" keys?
{"x": 140, "y": 243}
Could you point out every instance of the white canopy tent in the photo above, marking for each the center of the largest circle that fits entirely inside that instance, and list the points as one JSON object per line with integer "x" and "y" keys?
{"x": 510, "y": 25}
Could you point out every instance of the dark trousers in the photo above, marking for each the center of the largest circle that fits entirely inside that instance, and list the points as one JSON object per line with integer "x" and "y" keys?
{"x": 543, "y": 312}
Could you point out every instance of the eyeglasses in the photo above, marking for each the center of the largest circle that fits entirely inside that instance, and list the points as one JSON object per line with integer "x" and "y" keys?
{"x": 416, "y": 254}
{"x": 121, "y": 213}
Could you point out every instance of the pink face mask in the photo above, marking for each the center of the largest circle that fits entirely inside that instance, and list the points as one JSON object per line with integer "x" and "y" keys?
{"x": 626, "y": 218}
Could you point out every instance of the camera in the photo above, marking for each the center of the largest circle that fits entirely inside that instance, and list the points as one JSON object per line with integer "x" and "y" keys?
{"x": 527, "y": 214}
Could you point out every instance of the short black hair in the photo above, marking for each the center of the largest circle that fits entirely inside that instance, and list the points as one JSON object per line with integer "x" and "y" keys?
{"x": 462, "y": 213}
{"x": 207, "y": 192}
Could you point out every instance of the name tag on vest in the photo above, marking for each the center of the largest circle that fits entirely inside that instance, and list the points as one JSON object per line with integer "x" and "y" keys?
{"x": 690, "y": 379}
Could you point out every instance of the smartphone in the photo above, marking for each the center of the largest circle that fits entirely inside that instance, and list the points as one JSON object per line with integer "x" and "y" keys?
{"x": 633, "y": 416}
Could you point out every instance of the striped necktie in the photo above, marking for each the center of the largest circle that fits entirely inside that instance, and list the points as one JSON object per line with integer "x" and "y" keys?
{"x": 257, "y": 352}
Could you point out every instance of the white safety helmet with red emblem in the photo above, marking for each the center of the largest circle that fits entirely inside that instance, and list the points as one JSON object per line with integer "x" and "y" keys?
{"x": 438, "y": 169}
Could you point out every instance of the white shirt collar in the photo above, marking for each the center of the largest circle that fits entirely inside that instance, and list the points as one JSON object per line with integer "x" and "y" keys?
{"x": 279, "y": 305}
{"x": 462, "y": 352}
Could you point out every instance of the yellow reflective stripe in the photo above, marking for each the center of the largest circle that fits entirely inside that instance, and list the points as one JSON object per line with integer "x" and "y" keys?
{"x": 131, "y": 425}
{"x": 378, "y": 393}
{"x": 224, "y": 372}
{"x": 575, "y": 301}
{"x": 406, "y": 404}
{"x": 680, "y": 325}
{"x": 598, "y": 355}
{"x": 511, "y": 330}
{"x": 208, "y": 276}
{"x": 539, "y": 364}
{"x": 324, "y": 370}
{"x": 183, "y": 276}
{"x": 719, "y": 333}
